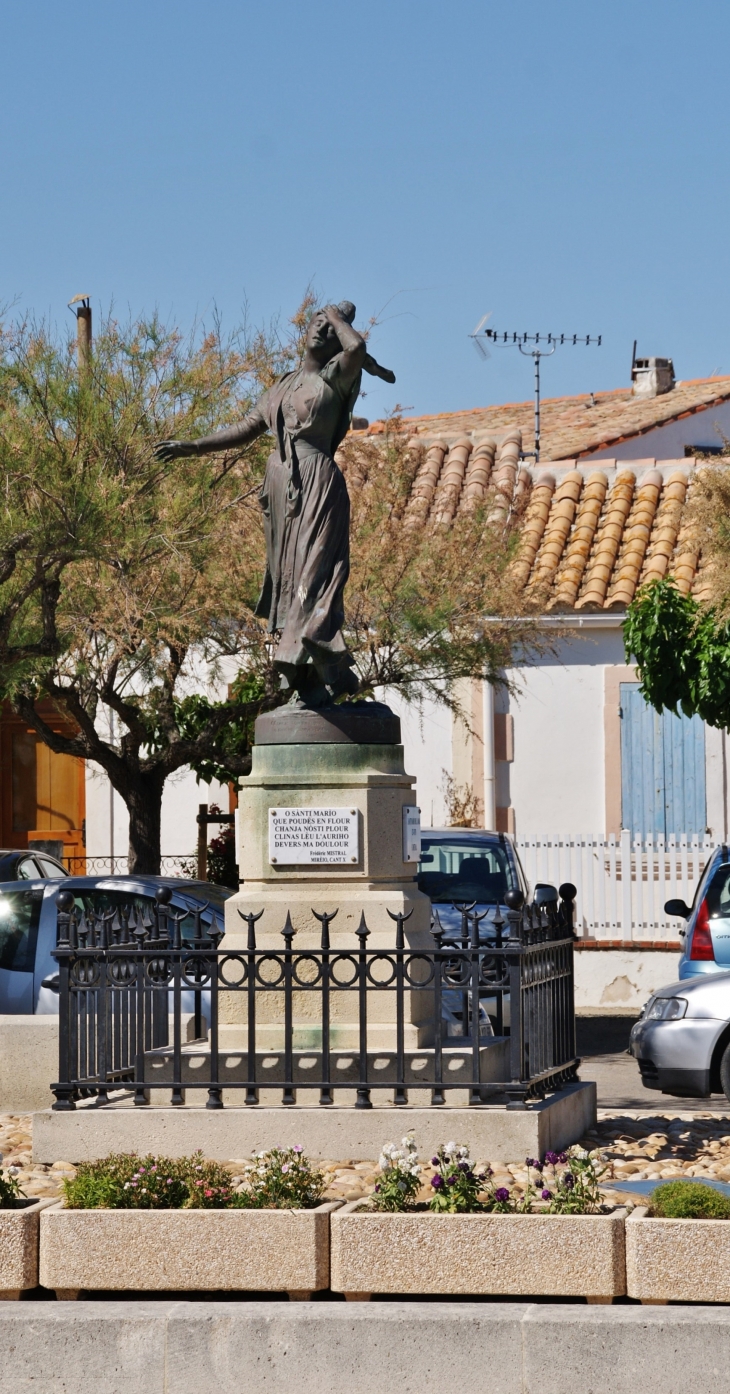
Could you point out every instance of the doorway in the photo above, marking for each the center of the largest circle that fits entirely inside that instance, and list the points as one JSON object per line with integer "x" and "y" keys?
{"x": 43, "y": 798}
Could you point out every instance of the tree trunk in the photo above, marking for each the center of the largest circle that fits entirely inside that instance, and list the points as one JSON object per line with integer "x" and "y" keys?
{"x": 144, "y": 804}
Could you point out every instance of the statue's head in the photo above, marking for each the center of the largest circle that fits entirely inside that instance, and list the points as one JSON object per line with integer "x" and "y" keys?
{"x": 322, "y": 340}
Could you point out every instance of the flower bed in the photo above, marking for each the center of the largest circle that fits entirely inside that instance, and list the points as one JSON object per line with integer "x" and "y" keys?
{"x": 474, "y": 1238}
{"x": 678, "y": 1250}
{"x": 158, "y": 1224}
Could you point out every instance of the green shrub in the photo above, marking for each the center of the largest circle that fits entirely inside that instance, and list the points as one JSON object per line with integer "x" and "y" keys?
{"x": 9, "y": 1189}
{"x": 280, "y": 1179}
{"x": 689, "y": 1200}
{"x": 124, "y": 1181}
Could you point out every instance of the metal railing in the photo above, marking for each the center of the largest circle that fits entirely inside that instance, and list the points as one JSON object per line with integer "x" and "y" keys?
{"x": 622, "y": 881}
{"x": 123, "y": 980}
{"x": 180, "y": 864}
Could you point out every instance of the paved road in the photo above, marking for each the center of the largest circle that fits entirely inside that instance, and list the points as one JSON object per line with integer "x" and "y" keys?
{"x": 602, "y": 1045}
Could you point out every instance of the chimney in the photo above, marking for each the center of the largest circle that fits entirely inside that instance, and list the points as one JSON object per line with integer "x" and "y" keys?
{"x": 83, "y": 329}
{"x": 651, "y": 377}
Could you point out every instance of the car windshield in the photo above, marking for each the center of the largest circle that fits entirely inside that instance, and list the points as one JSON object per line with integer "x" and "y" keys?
{"x": 454, "y": 869}
{"x": 718, "y": 893}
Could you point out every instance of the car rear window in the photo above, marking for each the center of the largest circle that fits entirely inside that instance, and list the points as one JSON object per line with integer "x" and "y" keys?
{"x": 20, "y": 913}
{"x": 50, "y": 870}
{"x": 452, "y": 869}
{"x": 717, "y": 894}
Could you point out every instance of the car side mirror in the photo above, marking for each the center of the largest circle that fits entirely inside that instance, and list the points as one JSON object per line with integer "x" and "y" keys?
{"x": 545, "y": 894}
{"x": 677, "y": 908}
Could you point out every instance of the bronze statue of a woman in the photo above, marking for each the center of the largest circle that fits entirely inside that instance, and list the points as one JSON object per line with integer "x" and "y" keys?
{"x": 305, "y": 503}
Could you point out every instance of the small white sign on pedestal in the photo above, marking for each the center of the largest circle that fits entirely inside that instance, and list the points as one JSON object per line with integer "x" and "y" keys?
{"x": 411, "y": 833}
{"x": 313, "y": 836}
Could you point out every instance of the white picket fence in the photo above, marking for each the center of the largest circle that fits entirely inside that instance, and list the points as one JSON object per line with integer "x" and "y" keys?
{"x": 622, "y": 881}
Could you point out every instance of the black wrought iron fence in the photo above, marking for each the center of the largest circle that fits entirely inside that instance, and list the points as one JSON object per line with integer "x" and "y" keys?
{"x": 126, "y": 979}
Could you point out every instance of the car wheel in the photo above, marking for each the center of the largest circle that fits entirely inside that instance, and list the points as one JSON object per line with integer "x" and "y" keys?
{"x": 725, "y": 1072}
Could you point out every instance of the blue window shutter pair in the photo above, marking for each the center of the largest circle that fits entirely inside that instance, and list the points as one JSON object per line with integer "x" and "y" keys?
{"x": 662, "y": 769}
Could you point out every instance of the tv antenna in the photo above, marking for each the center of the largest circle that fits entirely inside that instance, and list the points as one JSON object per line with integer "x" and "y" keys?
{"x": 529, "y": 345}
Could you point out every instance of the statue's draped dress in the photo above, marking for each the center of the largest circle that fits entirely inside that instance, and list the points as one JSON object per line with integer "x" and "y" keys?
{"x": 307, "y": 515}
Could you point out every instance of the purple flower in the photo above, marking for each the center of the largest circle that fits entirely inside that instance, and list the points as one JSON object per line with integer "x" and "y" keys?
{"x": 562, "y": 1158}
{"x": 552, "y": 1158}
{"x": 530, "y": 1162}
{"x": 377, "y": 1188}
{"x": 569, "y": 1181}
{"x": 297, "y": 1147}
{"x": 437, "y": 1182}
{"x": 434, "y": 1161}
{"x": 501, "y": 1194}
{"x": 546, "y": 1194}
{"x": 463, "y": 1166}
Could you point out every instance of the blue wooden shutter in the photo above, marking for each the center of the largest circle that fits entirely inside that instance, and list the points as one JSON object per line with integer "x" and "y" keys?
{"x": 662, "y": 769}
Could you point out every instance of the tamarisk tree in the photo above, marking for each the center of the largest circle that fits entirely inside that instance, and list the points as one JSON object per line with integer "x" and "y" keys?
{"x": 120, "y": 576}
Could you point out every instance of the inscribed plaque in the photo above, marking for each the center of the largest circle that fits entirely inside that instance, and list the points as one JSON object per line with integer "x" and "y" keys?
{"x": 312, "y": 836}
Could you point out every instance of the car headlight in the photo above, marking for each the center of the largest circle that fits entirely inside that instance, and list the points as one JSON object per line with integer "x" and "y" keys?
{"x": 666, "y": 1009}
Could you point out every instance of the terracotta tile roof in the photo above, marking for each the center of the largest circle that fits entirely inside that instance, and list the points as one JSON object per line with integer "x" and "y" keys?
{"x": 591, "y": 533}
{"x": 571, "y": 426}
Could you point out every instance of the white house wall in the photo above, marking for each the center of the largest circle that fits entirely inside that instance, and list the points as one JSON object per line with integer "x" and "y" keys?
{"x": 702, "y": 430}
{"x": 557, "y": 781}
{"x": 180, "y": 800}
{"x": 426, "y": 735}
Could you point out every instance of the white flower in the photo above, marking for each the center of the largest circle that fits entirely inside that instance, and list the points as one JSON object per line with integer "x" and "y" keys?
{"x": 464, "y": 1152}
{"x": 415, "y": 1171}
{"x": 450, "y": 1148}
{"x": 13, "y": 1171}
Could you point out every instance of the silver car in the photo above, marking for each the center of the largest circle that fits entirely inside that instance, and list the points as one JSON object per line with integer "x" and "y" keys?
{"x": 682, "y": 1038}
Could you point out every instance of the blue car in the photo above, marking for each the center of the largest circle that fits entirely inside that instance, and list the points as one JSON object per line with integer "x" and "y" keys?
{"x": 463, "y": 866}
{"x": 707, "y": 936}
{"x": 28, "y": 970}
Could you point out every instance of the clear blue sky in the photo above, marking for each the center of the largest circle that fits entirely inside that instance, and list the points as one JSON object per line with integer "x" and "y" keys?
{"x": 564, "y": 165}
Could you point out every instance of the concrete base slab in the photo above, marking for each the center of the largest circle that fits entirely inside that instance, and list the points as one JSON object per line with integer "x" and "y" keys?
{"x": 491, "y": 1132}
{"x": 29, "y": 1059}
{"x": 330, "y": 1347}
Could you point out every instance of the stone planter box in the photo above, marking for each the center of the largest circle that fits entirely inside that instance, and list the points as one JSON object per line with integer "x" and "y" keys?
{"x": 677, "y": 1260}
{"x": 516, "y": 1255}
{"x": 193, "y": 1250}
{"x": 19, "y": 1246}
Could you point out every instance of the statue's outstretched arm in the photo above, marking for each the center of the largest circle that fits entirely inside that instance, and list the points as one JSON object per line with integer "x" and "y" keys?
{"x": 376, "y": 370}
{"x": 254, "y": 424}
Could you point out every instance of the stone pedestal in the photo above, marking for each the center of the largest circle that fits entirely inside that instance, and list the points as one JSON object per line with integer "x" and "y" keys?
{"x": 309, "y": 760}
